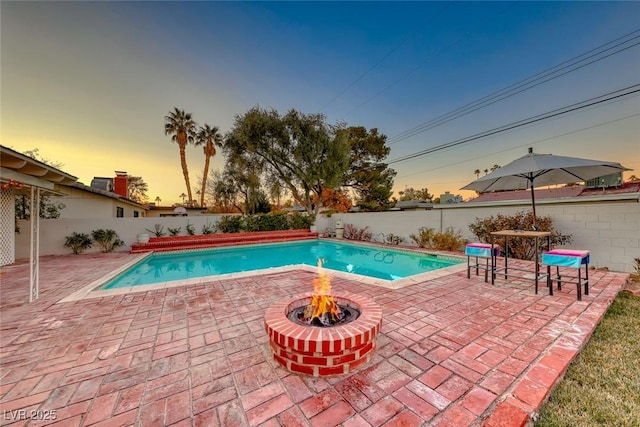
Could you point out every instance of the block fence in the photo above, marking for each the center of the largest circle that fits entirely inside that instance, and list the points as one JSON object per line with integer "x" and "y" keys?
{"x": 610, "y": 229}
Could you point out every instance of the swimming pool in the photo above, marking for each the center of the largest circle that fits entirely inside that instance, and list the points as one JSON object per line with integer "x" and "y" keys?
{"x": 365, "y": 260}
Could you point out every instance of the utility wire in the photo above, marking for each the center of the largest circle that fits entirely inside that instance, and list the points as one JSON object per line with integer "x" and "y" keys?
{"x": 528, "y": 144}
{"x": 406, "y": 75}
{"x": 545, "y": 116}
{"x": 521, "y": 86}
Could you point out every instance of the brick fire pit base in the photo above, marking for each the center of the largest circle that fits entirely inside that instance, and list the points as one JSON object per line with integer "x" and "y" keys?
{"x": 327, "y": 351}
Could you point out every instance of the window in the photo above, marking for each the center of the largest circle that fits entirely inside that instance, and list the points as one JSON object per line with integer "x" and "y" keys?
{"x": 136, "y": 214}
{"x": 119, "y": 212}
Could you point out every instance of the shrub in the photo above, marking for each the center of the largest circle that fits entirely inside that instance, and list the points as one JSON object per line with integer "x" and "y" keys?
{"x": 174, "y": 231}
{"x": 266, "y": 222}
{"x": 78, "y": 242}
{"x": 521, "y": 248}
{"x": 107, "y": 239}
{"x": 191, "y": 230}
{"x": 392, "y": 239}
{"x": 209, "y": 228}
{"x": 298, "y": 221}
{"x": 158, "y": 230}
{"x": 450, "y": 240}
{"x": 352, "y": 232}
{"x": 636, "y": 276}
{"x": 230, "y": 224}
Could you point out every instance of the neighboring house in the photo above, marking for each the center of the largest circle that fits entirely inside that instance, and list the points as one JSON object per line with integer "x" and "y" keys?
{"x": 157, "y": 211}
{"x": 557, "y": 193}
{"x": 448, "y": 198}
{"x": 413, "y": 205}
{"x": 81, "y": 201}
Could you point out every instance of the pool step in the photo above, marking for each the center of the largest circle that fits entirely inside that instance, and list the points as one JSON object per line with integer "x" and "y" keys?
{"x": 175, "y": 243}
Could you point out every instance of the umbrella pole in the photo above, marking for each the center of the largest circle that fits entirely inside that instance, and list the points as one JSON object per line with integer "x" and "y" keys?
{"x": 533, "y": 203}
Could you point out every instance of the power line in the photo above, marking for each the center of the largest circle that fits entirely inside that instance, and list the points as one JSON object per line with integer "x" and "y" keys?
{"x": 528, "y": 144}
{"x": 545, "y": 116}
{"x": 523, "y": 85}
{"x": 444, "y": 49}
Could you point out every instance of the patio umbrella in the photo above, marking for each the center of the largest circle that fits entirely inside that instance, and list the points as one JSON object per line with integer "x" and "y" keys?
{"x": 539, "y": 170}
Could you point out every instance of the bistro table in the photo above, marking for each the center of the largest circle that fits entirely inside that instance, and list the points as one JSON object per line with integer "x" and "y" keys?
{"x": 536, "y": 235}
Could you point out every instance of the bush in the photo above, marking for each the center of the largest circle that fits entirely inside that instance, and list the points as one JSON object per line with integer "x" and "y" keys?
{"x": 174, "y": 231}
{"x": 78, "y": 242}
{"x": 266, "y": 222}
{"x": 107, "y": 239}
{"x": 298, "y": 221}
{"x": 450, "y": 240}
{"x": 392, "y": 239}
{"x": 191, "y": 230}
{"x": 209, "y": 228}
{"x": 158, "y": 230}
{"x": 230, "y": 224}
{"x": 520, "y": 248}
{"x": 352, "y": 232}
{"x": 271, "y": 221}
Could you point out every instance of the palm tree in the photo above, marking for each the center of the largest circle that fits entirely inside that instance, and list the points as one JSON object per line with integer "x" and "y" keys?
{"x": 495, "y": 167}
{"x": 182, "y": 128}
{"x": 486, "y": 171}
{"x": 183, "y": 196}
{"x": 477, "y": 172}
{"x": 158, "y": 200}
{"x": 208, "y": 137}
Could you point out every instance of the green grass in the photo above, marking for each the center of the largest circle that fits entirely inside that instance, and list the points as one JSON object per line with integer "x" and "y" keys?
{"x": 602, "y": 385}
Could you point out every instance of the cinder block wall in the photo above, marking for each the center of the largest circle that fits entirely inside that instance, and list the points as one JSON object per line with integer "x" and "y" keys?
{"x": 610, "y": 230}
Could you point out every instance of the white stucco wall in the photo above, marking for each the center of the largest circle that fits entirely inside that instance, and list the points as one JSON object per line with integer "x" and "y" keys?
{"x": 53, "y": 232}
{"x": 609, "y": 229}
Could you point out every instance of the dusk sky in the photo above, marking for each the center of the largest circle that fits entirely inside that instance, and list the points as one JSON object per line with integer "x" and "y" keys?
{"x": 89, "y": 83}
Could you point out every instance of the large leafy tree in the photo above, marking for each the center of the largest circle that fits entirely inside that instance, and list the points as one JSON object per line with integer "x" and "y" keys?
{"x": 182, "y": 128}
{"x": 48, "y": 208}
{"x": 301, "y": 150}
{"x": 368, "y": 175}
{"x": 334, "y": 199}
{"x": 413, "y": 194}
{"x": 208, "y": 137}
{"x": 238, "y": 187}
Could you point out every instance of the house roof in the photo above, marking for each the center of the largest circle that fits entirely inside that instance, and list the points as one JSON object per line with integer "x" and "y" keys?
{"x": 31, "y": 172}
{"x": 556, "y": 193}
{"x": 413, "y": 204}
{"x": 104, "y": 193}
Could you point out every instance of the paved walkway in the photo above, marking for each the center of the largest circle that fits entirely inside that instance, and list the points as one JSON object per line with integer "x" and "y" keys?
{"x": 453, "y": 352}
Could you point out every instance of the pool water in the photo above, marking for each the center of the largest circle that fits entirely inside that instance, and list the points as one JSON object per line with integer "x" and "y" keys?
{"x": 380, "y": 263}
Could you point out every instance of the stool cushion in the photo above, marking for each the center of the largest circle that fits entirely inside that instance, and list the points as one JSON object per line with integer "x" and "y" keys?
{"x": 566, "y": 258}
{"x": 481, "y": 250}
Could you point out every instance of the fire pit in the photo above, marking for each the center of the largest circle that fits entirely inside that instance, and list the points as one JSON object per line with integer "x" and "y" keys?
{"x": 323, "y": 334}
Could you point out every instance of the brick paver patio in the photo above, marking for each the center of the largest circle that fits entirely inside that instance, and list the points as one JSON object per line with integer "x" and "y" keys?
{"x": 453, "y": 352}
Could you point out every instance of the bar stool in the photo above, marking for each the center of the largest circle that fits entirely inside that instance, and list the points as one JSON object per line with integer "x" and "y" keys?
{"x": 481, "y": 250}
{"x": 568, "y": 258}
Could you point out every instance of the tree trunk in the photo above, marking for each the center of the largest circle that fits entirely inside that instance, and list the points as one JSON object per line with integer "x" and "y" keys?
{"x": 185, "y": 170}
{"x": 204, "y": 178}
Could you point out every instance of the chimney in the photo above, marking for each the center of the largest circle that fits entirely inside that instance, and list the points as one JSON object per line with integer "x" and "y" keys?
{"x": 120, "y": 184}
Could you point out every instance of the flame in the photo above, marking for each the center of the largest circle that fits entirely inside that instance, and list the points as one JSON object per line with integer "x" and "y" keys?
{"x": 323, "y": 307}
